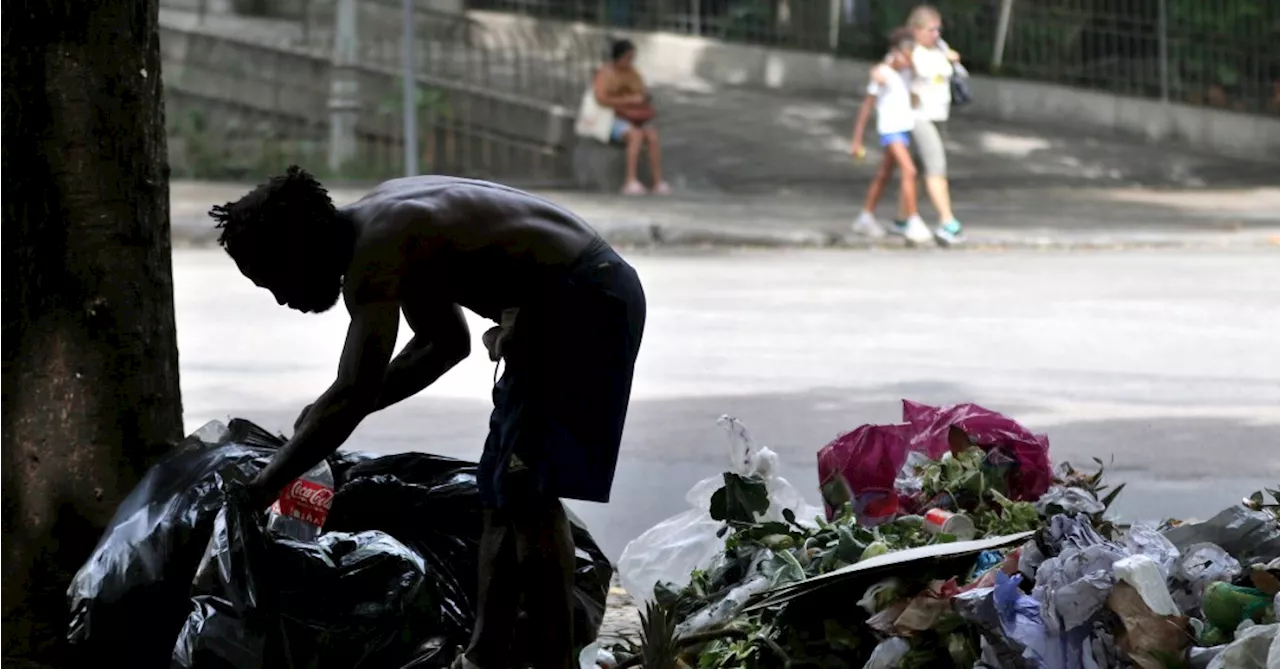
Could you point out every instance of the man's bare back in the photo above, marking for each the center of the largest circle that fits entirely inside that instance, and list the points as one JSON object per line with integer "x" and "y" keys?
{"x": 481, "y": 245}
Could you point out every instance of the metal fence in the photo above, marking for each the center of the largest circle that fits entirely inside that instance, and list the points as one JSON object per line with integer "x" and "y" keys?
{"x": 451, "y": 46}
{"x": 1219, "y": 53}
{"x": 248, "y": 95}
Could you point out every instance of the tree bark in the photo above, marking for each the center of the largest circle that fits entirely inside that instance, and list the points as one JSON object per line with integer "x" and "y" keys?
{"x": 90, "y": 385}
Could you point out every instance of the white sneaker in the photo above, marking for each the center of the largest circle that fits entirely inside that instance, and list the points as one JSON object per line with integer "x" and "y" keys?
{"x": 950, "y": 233}
{"x": 917, "y": 232}
{"x": 867, "y": 226}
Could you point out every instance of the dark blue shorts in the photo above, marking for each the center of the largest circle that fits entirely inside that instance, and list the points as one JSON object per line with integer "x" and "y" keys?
{"x": 561, "y": 403}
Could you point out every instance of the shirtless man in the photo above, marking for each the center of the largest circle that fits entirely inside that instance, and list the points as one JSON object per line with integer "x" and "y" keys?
{"x": 571, "y": 315}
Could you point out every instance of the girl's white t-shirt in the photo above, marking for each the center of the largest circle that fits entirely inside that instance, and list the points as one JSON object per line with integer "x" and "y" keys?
{"x": 893, "y": 101}
{"x": 932, "y": 83}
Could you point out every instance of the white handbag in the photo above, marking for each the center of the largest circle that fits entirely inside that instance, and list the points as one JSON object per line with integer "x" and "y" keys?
{"x": 594, "y": 120}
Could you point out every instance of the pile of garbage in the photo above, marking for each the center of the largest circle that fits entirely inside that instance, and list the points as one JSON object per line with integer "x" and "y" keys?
{"x": 364, "y": 562}
{"x": 949, "y": 540}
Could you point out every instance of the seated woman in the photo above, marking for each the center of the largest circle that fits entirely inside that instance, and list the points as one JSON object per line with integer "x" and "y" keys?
{"x": 619, "y": 87}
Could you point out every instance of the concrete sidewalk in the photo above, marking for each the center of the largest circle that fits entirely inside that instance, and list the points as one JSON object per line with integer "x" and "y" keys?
{"x": 1022, "y": 218}
{"x": 745, "y": 141}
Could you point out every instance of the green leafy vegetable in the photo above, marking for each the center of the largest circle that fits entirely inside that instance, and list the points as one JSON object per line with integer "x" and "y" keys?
{"x": 740, "y": 500}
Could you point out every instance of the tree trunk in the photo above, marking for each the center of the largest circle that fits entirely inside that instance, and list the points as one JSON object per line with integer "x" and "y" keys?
{"x": 90, "y": 387}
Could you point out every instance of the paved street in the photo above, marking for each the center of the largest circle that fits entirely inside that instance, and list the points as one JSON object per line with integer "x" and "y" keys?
{"x": 1167, "y": 360}
{"x": 1003, "y": 218}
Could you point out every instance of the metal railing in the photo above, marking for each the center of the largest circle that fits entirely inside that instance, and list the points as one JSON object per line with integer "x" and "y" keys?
{"x": 246, "y": 98}
{"x": 454, "y": 47}
{"x": 1219, "y": 53}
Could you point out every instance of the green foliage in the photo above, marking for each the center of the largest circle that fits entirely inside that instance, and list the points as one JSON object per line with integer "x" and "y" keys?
{"x": 427, "y": 101}
{"x": 1069, "y": 476}
{"x": 751, "y": 21}
{"x": 237, "y": 149}
{"x": 740, "y": 500}
{"x": 658, "y": 625}
{"x": 1218, "y": 45}
{"x": 786, "y": 552}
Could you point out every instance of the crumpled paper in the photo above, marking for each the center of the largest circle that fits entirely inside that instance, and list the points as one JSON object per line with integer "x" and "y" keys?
{"x": 906, "y": 617}
{"x": 1029, "y": 559}
{"x": 1073, "y": 586}
{"x": 923, "y": 611}
{"x": 1197, "y": 567}
{"x": 1068, "y": 499}
{"x": 1147, "y": 636}
{"x": 1145, "y": 539}
{"x": 884, "y": 621}
{"x": 1013, "y": 639}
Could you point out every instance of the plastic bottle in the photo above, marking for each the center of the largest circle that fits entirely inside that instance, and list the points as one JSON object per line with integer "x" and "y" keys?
{"x": 303, "y": 506}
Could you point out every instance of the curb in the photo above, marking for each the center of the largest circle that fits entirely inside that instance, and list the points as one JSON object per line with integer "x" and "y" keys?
{"x": 639, "y": 234}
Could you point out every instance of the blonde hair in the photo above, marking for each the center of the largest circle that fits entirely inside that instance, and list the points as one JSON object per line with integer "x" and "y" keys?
{"x": 922, "y": 15}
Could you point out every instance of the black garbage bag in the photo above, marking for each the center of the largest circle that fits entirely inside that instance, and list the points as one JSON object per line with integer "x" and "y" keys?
{"x": 432, "y": 504}
{"x": 430, "y": 519}
{"x": 340, "y": 464}
{"x": 129, "y": 599}
{"x": 263, "y": 600}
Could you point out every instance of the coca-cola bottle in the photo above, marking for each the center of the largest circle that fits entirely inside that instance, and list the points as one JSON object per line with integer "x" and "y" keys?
{"x": 302, "y": 507}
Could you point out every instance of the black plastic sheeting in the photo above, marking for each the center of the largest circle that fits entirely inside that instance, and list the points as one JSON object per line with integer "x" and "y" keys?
{"x": 187, "y": 576}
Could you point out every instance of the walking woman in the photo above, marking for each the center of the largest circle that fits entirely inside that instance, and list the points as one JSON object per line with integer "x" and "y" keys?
{"x": 933, "y": 66}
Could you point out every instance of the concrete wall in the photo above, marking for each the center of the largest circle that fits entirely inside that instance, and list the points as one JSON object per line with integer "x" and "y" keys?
{"x": 673, "y": 59}
{"x": 255, "y": 102}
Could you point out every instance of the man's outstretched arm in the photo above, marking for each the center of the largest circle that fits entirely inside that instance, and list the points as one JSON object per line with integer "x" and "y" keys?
{"x": 441, "y": 340}
{"x": 371, "y": 339}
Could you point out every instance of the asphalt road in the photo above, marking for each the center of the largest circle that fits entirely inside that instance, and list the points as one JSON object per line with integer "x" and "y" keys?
{"x": 1167, "y": 361}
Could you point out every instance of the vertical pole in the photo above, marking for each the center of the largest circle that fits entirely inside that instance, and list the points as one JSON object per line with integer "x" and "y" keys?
{"x": 1162, "y": 28}
{"x": 344, "y": 103}
{"x": 306, "y": 24}
{"x": 1002, "y": 32}
{"x": 410, "y": 95}
{"x": 696, "y": 7}
{"x": 833, "y": 34}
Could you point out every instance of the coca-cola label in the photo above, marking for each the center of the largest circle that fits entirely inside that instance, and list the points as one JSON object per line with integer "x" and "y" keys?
{"x": 305, "y": 500}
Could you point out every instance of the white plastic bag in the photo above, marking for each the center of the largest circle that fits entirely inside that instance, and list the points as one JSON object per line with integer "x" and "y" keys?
{"x": 669, "y": 551}
{"x": 595, "y": 121}
{"x": 595, "y": 657}
{"x": 1253, "y": 648}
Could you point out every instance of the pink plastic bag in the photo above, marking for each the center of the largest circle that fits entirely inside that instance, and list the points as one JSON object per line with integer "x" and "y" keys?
{"x": 865, "y": 462}
{"x": 861, "y": 466}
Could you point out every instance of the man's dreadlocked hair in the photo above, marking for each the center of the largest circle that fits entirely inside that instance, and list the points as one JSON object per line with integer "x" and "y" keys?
{"x": 289, "y": 210}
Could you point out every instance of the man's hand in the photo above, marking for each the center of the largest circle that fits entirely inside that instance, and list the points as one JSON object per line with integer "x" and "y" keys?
{"x": 857, "y": 150}
{"x": 953, "y": 55}
{"x": 328, "y": 422}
